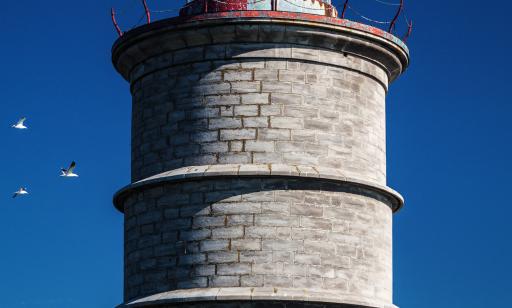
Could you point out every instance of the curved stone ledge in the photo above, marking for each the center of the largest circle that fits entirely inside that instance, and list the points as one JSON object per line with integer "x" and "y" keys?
{"x": 250, "y": 170}
{"x": 338, "y": 35}
{"x": 254, "y": 294}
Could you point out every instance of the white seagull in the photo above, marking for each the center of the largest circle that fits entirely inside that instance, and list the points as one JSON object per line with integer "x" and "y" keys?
{"x": 69, "y": 172}
{"x": 21, "y": 191}
{"x": 20, "y": 124}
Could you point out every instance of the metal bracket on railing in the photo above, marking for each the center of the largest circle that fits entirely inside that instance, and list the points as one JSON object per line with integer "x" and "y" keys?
{"x": 393, "y": 22}
{"x": 409, "y": 31}
{"x": 205, "y": 6}
{"x": 274, "y": 5}
{"x": 148, "y": 13}
{"x": 345, "y": 6}
{"x": 114, "y": 21}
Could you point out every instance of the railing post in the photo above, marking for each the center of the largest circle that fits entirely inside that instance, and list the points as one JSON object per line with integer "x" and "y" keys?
{"x": 393, "y": 22}
{"x": 409, "y": 31}
{"x": 274, "y": 5}
{"x": 345, "y": 6}
{"x": 114, "y": 21}
{"x": 148, "y": 13}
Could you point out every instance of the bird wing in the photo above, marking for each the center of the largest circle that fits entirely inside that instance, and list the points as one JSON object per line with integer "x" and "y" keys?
{"x": 21, "y": 121}
{"x": 71, "y": 167}
{"x": 15, "y": 195}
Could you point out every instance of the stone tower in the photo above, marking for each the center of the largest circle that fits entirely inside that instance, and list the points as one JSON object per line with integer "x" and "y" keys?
{"x": 258, "y": 158}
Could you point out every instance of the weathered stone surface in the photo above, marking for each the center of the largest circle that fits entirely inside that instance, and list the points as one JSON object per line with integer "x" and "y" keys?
{"x": 338, "y": 124}
{"x": 276, "y": 240}
{"x": 258, "y": 166}
{"x": 254, "y": 297}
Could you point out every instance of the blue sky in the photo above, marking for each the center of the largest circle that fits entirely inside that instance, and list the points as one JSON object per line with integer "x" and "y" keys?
{"x": 449, "y": 149}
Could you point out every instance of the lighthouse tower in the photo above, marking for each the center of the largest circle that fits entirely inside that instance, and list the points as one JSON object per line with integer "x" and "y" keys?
{"x": 258, "y": 158}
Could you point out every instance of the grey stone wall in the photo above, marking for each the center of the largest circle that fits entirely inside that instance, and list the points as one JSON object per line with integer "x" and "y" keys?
{"x": 258, "y": 92}
{"x": 258, "y": 232}
{"x": 259, "y": 111}
{"x": 256, "y": 304}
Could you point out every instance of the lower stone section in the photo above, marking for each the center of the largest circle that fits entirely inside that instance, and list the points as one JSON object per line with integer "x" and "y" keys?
{"x": 256, "y": 304}
{"x": 252, "y": 298}
{"x": 285, "y": 233}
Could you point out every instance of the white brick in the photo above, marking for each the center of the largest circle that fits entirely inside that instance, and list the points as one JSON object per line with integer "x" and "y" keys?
{"x": 237, "y": 134}
{"x": 259, "y": 146}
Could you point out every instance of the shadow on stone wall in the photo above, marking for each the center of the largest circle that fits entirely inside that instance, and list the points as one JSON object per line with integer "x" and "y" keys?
{"x": 255, "y": 232}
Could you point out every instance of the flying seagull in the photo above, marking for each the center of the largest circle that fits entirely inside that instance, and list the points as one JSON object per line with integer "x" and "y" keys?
{"x": 21, "y": 191}
{"x": 69, "y": 172}
{"x": 20, "y": 124}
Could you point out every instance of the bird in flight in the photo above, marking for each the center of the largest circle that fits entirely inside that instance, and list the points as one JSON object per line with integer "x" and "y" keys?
{"x": 21, "y": 191}
{"x": 69, "y": 171}
{"x": 20, "y": 124}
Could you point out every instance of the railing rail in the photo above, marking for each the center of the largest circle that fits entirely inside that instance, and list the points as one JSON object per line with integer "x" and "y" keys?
{"x": 316, "y": 7}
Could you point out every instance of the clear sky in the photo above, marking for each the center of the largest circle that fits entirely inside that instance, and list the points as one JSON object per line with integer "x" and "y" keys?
{"x": 449, "y": 150}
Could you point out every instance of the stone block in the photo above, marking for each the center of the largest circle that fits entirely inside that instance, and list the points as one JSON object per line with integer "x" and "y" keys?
{"x": 273, "y": 220}
{"x": 315, "y": 223}
{"x": 240, "y": 220}
{"x": 214, "y": 147}
{"x": 292, "y": 76}
{"x": 225, "y": 281}
{"x": 222, "y": 257}
{"x": 274, "y": 134}
{"x": 234, "y": 269}
{"x": 306, "y": 210}
{"x": 259, "y": 146}
{"x": 256, "y": 122}
{"x": 276, "y": 87}
{"x": 222, "y": 100}
{"x": 204, "y": 270}
{"x": 247, "y": 110}
{"x": 234, "y": 158}
{"x": 195, "y": 235}
{"x": 284, "y": 245}
{"x": 228, "y": 232}
{"x": 309, "y": 259}
{"x": 238, "y": 75}
{"x": 214, "y": 245}
{"x": 260, "y": 232}
{"x": 237, "y": 134}
{"x": 236, "y": 208}
{"x": 272, "y": 110}
{"x": 208, "y": 222}
{"x": 245, "y": 244}
{"x": 192, "y": 259}
{"x": 224, "y": 122}
{"x": 268, "y": 268}
{"x": 255, "y": 256}
{"x": 255, "y": 99}
{"x": 266, "y": 75}
{"x": 197, "y": 282}
{"x": 246, "y": 87}
{"x": 251, "y": 281}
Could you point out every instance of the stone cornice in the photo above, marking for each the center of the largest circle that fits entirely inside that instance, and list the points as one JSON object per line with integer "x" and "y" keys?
{"x": 194, "y": 173}
{"x": 254, "y": 294}
{"x": 339, "y": 35}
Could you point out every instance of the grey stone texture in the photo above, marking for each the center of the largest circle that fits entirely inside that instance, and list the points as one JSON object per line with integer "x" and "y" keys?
{"x": 258, "y": 163}
{"x": 248, "y": 298}
{"x": 199, "y": 120}
{"x": 212, "y": 303}
{"x": 259, "y": 232}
